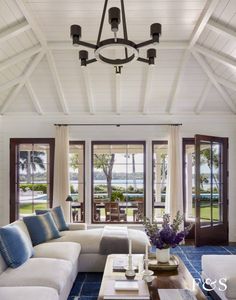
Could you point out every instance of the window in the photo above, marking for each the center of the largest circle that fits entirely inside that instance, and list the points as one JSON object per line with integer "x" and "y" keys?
{"x": 76, "y": 159}
{"x": 31, "y": 176}
{"x": 159, "y": 167}
{"x": 118, "y": 181}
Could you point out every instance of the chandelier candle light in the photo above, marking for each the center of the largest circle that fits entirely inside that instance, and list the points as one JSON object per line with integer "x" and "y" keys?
{"x": 131, "y": 49}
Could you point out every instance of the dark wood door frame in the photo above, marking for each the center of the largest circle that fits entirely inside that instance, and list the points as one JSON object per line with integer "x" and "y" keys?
{"x": 14, "y": 146}
{"x": 215, "y": 233}
{"x": 191, "y": 141}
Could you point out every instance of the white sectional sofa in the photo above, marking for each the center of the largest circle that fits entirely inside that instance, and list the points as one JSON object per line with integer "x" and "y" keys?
{"x": 50, "y": 273}
{"x": 220, "y": 270}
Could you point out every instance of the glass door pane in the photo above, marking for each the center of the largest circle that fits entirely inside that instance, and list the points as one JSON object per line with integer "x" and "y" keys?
{"x": 205, "y": 179}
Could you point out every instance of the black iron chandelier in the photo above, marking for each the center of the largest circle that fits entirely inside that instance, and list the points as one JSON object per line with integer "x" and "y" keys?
{"x": 131, "y": 49}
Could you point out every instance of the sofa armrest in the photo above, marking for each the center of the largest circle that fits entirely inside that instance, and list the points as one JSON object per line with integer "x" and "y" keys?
{"x": 77, "y": 226}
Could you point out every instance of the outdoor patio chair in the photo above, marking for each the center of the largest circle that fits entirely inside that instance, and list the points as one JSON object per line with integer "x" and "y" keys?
{"x": 113, "y": 213}
{"x": 138, "y": 212}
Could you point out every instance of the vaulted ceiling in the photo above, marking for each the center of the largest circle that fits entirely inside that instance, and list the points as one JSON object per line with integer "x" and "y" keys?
{"x": 195, "y": 70}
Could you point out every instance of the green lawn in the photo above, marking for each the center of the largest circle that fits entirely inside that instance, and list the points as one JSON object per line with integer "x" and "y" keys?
{"x": 27, "y": 209}
{"x": 206, "y": 213}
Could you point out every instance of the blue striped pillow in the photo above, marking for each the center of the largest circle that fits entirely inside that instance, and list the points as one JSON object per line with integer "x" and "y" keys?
{"x": 41, "y": 228}
{"x": 14, "y": 246}
{"x": 58, "y": 217}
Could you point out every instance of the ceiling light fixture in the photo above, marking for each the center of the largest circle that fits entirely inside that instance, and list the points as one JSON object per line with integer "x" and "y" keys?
{"x": 131, "y": 49}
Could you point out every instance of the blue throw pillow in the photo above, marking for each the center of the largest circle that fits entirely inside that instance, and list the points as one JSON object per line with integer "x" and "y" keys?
{"x": 41, "y": 228}
{"x": 14, "y": 246}
{"x": 58, "y": 217}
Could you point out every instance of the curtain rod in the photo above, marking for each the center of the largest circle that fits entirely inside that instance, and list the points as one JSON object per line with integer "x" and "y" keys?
{"x": 118, "y": 125}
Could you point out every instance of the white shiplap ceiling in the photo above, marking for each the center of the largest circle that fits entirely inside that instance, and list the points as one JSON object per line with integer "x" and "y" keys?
{"x": 195, "y": 70}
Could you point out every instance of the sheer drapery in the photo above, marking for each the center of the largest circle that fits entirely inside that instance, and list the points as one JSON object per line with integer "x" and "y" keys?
{"x": 61, "y": 170}
{"x": 174, "y": 201}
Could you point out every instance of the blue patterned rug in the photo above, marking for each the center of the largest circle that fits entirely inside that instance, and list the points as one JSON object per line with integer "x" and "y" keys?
{"x": 87, "y": 285}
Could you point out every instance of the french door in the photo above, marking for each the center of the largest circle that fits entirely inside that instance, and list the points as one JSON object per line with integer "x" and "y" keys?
{"x": 211, "y": 190}
{"x": 31, "y": 175}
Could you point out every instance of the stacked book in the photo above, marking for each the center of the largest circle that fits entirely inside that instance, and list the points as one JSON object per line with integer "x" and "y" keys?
{"x": 127, "y": 290}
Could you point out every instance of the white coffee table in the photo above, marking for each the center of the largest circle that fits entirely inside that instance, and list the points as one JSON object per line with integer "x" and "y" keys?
{"x": 109, "y": 278}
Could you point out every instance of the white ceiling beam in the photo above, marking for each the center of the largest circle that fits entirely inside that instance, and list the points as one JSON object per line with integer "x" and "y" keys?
{"x": 203, "y": 97}
{"x": 226, "y": 83}
{"x": 221, "y": 29}
{"x": 117, "y": 93}
{"x": 217, "y": 57}
{"x": 206, "y": 68}
{"x": 85, "y": 73}
{"x": 52, "y": 66}
{"x": 147, "y": 89}
{"x": 55, "y": 75}
{"x": 19, "y": 57}
{"x": 33, "y": 97}
{"x": 175, "y": 84}
{"x": 20, "y": 85}
{"x": 204, "y": 18}
{"x": 10, "y": 83}
{"x": 33, "y": 24}
{"x": 67, "y": 45}
{"x": 201, "y": 23}
{"x": 14, "y": 31}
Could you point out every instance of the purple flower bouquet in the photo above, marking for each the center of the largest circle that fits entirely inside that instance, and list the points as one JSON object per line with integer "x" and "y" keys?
{"x": 167, "y": 235}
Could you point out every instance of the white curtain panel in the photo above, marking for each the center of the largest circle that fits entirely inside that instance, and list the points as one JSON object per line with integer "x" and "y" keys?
{"x": 174, "y": 199}
{"x": 61, "y": 170}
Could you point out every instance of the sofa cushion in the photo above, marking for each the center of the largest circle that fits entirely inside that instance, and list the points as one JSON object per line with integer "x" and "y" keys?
{"x": 14, "y": 246}
{"x": 77, "y": 226}
{"x": 46, "y": 272}
{"x": 58, "y": 217}
{"x": 217, "y": 267}
{"x": 28, "y": 293}
{"x": 41, "y": 228}
{"x": 90, "y": 239}
{"x": 68, "y": 251}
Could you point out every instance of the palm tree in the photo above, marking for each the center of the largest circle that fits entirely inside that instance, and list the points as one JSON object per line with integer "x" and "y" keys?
{"x": 206, "y": 159}
{"x": 30, "y": 161}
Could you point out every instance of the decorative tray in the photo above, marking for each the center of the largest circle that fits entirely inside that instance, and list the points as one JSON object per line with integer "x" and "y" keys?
{"x": 153, "y": 265}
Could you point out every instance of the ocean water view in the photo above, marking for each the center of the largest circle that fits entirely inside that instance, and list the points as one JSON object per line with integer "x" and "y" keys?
{"x": 119, "y": 182}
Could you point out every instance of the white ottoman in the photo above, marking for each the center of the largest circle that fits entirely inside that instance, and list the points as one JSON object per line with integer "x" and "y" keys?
{"x": 222, "y": 269}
